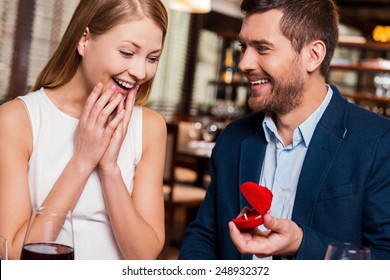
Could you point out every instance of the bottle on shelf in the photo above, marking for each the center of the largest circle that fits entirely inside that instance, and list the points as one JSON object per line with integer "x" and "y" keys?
{"x": 227, "y": 71}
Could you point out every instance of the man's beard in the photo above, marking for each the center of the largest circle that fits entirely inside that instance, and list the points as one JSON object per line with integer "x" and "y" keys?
{"x": 286, "y": 95}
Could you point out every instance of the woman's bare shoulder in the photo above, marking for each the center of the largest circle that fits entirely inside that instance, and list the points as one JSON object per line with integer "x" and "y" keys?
{"x": 14, "y": 121}
{"x": 14, "y": 112}
{"x": 154, "y": 129}
{"x": 153, "y": 121}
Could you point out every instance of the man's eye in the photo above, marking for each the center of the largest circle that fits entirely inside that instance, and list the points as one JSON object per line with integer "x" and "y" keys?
{"x": 242, "y": 47}
{"x": 262, "y": 48}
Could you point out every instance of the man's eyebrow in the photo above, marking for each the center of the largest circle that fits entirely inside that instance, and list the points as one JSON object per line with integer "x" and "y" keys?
{"x": 256, "y": 42}
{"x": 261, "y": 42}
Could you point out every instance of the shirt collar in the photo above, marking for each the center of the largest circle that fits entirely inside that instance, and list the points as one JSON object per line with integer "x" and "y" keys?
{"x": 305, "y": 130}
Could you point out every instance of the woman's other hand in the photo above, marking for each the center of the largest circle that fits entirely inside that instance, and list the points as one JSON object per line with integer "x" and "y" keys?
{"x": 95, "y": 130}
{"x": 110, "y": 156}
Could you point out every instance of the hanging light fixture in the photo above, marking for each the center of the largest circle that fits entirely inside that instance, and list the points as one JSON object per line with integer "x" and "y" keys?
{"x": 191, "y": 6}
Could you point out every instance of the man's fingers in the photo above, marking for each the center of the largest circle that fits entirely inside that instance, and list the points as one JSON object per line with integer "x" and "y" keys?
{"x": 236, "y": 236}
{"x": 262, "y": 233}
{"x": 272, "y": 223}
{"x": 241, "y": 240}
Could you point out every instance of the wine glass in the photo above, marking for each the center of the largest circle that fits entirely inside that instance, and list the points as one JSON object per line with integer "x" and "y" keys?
{"x": 210, "y": 132}
{"x": 347, "y": 251}
{"x": 219, "y": 109}
{"x": 3, "y": 248}
{"x": 49, "y": 235}
{"x": 195, "y": 130}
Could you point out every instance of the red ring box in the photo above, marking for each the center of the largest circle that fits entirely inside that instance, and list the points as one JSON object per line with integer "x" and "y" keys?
{"x": 260, "y": 198}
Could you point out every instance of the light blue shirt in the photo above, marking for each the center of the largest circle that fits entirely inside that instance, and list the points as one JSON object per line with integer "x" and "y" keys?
{"x": 282, "y": 164}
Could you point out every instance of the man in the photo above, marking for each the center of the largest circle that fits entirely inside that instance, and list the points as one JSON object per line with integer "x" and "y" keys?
{"x": 325, "y": 160}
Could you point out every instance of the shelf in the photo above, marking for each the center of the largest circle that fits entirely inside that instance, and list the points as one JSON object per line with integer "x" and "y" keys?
{"x": 360, "y": 68}
{"x": 370, "y": 64}
{"x": 367, "y": 45}
{"x": 233, "y": 84}
{"x": 366, "y": 96}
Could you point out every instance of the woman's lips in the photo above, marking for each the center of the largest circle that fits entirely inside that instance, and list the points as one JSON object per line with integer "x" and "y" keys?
{"x": 122, "y": 87}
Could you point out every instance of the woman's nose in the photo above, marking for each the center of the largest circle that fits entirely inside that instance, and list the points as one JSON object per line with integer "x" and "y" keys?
{"x": 137, "y": 69}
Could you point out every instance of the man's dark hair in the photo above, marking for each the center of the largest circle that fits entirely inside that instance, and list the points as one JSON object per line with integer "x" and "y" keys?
{"x": 303, "y": 21}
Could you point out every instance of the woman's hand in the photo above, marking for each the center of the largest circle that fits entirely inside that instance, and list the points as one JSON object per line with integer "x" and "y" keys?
{"x": 110, "y": 157}
{"x": 95, "y": 130}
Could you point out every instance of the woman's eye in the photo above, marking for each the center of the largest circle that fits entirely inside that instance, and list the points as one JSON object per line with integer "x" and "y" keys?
{"x": 153, "y": 59}
{"x": 126, "y": 54}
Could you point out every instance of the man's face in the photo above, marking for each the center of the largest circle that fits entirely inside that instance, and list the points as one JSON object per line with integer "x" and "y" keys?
{"x": 270, "y": 64}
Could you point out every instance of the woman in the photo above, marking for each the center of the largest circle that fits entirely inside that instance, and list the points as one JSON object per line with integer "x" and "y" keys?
{"x": 82, "y": 140}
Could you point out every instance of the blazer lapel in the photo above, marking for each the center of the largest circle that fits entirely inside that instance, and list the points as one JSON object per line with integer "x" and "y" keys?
{"x": 251, "y": 161}
{"x": 323, "y": 147}
{"x": 251, "y": 158}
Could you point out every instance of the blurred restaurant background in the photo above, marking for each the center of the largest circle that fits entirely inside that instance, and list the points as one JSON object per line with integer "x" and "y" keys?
{"x": 198, "y": 88}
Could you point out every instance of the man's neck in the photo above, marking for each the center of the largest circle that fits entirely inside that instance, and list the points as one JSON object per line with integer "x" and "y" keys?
{"x": 287, "y": 123}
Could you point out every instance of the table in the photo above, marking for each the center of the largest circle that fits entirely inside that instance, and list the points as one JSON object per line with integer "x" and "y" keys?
{"x": 201, "y": 151}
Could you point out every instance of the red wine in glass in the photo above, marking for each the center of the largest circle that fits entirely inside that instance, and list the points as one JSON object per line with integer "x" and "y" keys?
{"x": 47, "y": 251}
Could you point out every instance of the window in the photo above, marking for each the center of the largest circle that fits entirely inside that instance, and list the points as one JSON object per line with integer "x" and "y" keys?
{"x": 50, "y": 20}
{"x": 166, "y": 90}
{"x": 8, "y": 12}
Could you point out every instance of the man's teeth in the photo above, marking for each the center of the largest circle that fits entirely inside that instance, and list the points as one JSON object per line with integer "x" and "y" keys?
{"x": 259, "y": 82}
{"x": 124, "y": 84}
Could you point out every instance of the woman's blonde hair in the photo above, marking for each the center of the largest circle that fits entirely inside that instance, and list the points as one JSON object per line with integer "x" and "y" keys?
{"x": 99, "y": 16}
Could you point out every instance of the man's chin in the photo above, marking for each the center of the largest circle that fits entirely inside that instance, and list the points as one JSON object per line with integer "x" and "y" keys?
{"x": 256, "y": 105}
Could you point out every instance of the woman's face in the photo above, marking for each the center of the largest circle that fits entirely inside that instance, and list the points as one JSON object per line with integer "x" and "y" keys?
{"x": 126, "y": 55}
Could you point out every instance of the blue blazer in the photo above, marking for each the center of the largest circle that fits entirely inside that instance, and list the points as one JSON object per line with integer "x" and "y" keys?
{"x": 343, "y": 192}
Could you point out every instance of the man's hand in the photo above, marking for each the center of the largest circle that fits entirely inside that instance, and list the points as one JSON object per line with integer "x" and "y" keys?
{"x": 282, "y": 238}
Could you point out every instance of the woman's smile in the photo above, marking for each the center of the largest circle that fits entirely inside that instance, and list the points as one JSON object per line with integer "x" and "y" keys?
{"x": 123, "y": 87}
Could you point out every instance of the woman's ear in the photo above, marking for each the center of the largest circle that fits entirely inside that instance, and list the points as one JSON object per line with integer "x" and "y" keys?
{"x": 81, "y": 47}
{"x": 316, "y": 54}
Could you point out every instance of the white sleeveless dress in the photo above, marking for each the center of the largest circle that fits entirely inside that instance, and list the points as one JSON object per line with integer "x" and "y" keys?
{"x": 53, "y": 146}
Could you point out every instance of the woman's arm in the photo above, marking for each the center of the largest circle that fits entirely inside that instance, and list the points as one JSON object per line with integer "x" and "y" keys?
{"x": 137, "y": 220}
{"x": 93, "y": 137}
{"x": 15, "y": 151}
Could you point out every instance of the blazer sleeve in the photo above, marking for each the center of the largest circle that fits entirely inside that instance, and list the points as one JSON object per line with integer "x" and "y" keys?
{"x": 200, "y": 241}
{"x": 375, "y": 213}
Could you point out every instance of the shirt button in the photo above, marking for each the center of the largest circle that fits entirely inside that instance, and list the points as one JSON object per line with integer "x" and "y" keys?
{"x": 278, "y": 146}
{"x": 278, "y": 191}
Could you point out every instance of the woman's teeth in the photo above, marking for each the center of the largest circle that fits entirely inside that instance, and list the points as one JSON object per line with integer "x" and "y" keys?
{"x": 259, "y": 82}
{"x": 123, "y": 84}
